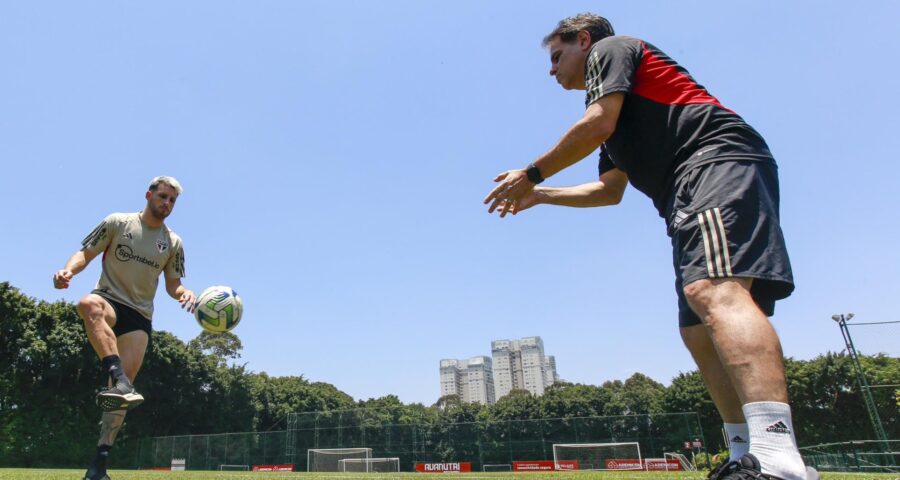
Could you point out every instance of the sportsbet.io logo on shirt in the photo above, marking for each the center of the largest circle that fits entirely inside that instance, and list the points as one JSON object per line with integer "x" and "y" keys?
{"x": 124, "y": 253}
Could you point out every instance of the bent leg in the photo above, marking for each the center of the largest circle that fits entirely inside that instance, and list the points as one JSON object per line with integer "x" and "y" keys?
{"x": 99, "y": 317}
{"x": 122, "y": 394}
{"x": 132, "y": 346}
{"x": 750, "y": 353}
{"x": 747, "y": 345}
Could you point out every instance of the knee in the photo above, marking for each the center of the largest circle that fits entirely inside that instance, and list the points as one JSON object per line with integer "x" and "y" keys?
{"x": 90, "y": 307}
{"x": 712, "y": 298}
{"x": 699, "y": 295}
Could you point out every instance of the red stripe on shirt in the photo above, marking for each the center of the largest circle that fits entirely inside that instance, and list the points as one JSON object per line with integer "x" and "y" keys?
{"x": 658, "y": 80}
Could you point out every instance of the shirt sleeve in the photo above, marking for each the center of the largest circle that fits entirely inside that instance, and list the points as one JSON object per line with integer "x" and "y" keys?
{"x": 611, "y": 65}
{"x": 605, "y": 164}
{"x": 98, "y": 240}
{"x": 175, "y": 266}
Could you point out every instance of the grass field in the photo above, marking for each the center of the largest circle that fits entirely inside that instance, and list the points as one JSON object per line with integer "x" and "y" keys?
{"x": 38, "y": 474}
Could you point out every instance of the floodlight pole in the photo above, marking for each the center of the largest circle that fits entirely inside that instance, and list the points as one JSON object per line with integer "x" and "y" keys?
{"x": 841, "y": 319}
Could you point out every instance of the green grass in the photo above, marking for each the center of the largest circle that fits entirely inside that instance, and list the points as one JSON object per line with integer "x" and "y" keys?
{"x": 43, "y": 474}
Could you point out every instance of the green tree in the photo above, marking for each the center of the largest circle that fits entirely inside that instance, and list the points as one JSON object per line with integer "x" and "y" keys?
{"x": 643, "y": 395}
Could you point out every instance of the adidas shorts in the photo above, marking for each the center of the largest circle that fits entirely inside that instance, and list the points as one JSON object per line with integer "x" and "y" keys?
{"x": 128, "y": 319}
{"x": 723, "y": 222}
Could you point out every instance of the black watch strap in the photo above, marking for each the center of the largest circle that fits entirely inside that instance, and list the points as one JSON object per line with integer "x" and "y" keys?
{"x": 534, "y": 174}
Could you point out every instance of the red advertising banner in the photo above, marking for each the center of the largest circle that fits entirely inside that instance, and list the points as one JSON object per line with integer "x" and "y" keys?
{"x": 274, "y": 468}
{"x": 662, "y": 465}
{"x": 543, "y": 465}
{"x": 624, "y": 464}
{"x": 451, "y": 467}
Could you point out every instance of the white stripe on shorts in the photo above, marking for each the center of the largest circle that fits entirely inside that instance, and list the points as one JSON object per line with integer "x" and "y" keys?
{"x": 718, "y": 261}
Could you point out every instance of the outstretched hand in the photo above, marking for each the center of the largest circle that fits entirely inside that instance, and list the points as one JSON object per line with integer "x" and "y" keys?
{"x": 513, "y": 187}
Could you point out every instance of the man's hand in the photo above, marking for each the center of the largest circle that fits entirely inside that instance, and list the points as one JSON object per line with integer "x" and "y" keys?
{"x": 61, "y": 279}
{"x": 530, "y": 200}
{"x": 514, "y": 187}
{"x": 187, "y": 300}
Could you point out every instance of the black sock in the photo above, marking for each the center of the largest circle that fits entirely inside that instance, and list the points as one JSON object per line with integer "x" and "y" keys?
{"x": 113, "y": 365}
{"x": 99, "y": 462}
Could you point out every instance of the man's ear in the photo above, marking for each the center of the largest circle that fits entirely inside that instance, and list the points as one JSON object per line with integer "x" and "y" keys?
{"x": 584, "y": 39}
{"x": 148, "y": 194}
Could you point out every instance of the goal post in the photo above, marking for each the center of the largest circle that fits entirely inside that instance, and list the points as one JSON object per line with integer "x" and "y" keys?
{"x": 686, "y": 464}
{"x": 597, "y": 456}
{"x": 369, "y": 465}
{"x": 326, "y": 459}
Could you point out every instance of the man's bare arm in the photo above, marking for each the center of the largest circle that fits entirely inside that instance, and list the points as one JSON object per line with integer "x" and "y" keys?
{"x": 76, "y": 263}
{"x": 585, "y": 136}
{"x": 606, "y": 191}
{"x": 181, "y": 293}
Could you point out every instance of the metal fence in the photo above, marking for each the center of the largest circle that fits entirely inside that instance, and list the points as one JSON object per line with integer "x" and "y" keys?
{"x": 871, "y": 456}
{"x": 481, "y": 443}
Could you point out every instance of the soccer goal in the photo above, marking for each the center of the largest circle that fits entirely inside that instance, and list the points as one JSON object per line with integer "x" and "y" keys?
{"x": 326, "y": 459}
{"x": 682, "y": 460}
{"x": 369, "y": 465}
{"x": 234, "y": 468}
{"x": 597, "y": 456}
{"x": 497, "y": 467}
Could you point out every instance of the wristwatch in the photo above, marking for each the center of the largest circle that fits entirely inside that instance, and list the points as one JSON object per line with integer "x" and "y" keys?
{"x": 534, "y": 174}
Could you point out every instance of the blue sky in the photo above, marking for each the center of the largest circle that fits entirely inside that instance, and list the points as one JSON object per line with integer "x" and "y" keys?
{"x": 335, "y": 154}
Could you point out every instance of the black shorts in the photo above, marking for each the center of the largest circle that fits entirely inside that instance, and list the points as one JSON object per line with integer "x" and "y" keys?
{"x": 128, "y": 319}
{"x": 723, "y": 221}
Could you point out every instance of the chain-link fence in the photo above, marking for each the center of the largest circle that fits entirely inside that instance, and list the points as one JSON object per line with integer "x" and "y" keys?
{"x": 872, "y": 456}
{"x": 207, "y": 452}
{"x": 481, "y": 443}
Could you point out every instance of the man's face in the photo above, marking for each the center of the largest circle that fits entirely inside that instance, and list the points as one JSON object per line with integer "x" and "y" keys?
{"x": 567, "y": 61}
{"x": 161, "y": 201}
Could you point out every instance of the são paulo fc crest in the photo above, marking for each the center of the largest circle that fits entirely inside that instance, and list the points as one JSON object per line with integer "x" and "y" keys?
{"x": 162, "y": 245}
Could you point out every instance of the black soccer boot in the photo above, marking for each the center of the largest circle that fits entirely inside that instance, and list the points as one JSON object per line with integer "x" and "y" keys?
{"x": 744, "y": 468}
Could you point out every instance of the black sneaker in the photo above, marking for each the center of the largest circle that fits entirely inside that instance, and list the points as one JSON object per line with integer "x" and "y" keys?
{"x": 744, "y": 468}
{"x": 121, "y": 396}
{"x": 714, "y": 473}
{"x": 96, "y": 471}
{"x": 96, "y": 475}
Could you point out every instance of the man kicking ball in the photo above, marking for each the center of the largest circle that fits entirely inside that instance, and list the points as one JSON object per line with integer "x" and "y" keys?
{"x": 117, "y": 315}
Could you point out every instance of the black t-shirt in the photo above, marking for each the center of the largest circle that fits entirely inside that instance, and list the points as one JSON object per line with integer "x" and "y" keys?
{"x": 668, "y": 123}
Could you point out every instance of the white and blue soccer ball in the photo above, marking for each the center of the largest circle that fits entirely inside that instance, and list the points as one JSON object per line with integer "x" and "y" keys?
{"x": 218, "y": 309}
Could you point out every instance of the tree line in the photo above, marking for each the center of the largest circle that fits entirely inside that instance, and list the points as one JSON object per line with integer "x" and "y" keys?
{"x": 49, "y": 376}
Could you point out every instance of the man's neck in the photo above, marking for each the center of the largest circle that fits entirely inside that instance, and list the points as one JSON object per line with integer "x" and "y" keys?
{"x": 150, "y": 220}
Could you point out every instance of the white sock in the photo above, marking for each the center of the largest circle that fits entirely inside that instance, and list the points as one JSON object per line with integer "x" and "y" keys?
{"x": 738, "y": 440}
{"x": 772, "y": 439}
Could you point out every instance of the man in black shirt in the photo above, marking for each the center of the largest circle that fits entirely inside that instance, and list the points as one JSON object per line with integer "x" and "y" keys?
{"x": 714, "y": 181}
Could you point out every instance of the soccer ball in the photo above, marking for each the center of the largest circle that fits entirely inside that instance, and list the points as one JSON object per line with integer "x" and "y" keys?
{"x": 218, "y": 309}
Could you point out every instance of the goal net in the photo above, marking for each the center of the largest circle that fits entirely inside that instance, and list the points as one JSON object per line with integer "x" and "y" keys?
{"x": 326, "y": 459}
{"x": 686, "y": 464}
{"x": 369, "y": 465}
{"x": 240, "y": 468}
{"x": 597, "y": 456}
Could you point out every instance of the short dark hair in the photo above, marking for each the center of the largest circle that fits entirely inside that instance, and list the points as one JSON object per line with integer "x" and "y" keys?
{"x": 568, "y": 28}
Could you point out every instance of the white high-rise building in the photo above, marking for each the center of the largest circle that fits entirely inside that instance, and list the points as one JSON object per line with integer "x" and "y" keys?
{"x": 521, "y": 364}
{"x": 550, "y": 375}
{"x": 472, "y": 380}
